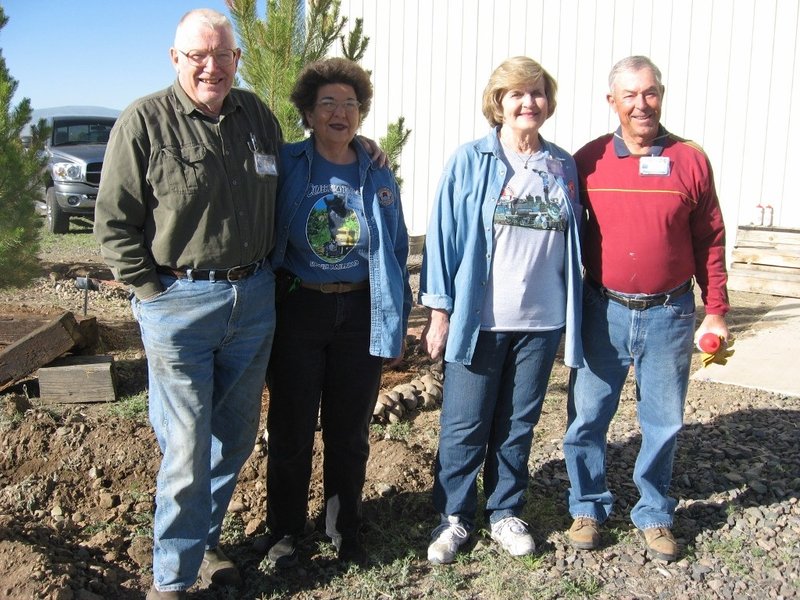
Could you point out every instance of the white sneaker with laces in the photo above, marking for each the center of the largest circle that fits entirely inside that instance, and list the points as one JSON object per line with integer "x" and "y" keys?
{"x": 447, "y": 539}
{"x": 512, "y": 534}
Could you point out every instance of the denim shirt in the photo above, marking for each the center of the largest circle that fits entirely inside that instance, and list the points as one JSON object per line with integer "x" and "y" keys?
{"x": 390, "y": 291}
{"x": 459, "y": 242}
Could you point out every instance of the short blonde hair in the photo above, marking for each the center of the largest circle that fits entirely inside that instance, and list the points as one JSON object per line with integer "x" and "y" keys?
{"x": 516, "y": 73}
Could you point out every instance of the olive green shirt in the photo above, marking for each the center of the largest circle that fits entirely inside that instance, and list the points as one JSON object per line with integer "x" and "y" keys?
{"x": 180, "y": 189}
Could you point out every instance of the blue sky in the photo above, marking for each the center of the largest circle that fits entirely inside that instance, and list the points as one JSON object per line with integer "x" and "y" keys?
{"x": 92, "y": 52}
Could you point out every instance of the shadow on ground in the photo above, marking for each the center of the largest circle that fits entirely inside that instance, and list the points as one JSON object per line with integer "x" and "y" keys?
{"x": 738, "y": 460}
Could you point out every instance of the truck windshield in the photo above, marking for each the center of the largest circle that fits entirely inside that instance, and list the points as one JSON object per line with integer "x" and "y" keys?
{"x": 81, "y": 131}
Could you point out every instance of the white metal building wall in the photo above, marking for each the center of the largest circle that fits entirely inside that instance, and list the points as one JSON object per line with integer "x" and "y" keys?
{"x": 731, "y": 70}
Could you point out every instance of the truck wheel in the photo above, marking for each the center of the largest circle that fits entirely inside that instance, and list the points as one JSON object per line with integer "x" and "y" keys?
{"x": 57, "y": 219}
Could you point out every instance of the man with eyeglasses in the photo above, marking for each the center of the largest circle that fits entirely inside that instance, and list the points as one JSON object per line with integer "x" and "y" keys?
{"x": 184, "y": 216}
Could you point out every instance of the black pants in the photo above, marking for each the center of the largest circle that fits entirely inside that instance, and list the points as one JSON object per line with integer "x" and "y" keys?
{"x": 320, "y": 364}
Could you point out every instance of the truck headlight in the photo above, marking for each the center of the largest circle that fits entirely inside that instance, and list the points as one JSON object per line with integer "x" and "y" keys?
{"x": 66, "y": 171}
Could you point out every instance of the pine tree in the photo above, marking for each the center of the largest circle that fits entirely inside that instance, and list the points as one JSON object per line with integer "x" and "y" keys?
{"x": 20, "y": 181}
{"x": 396, "y": 137}
{"x": 277, "y": 48}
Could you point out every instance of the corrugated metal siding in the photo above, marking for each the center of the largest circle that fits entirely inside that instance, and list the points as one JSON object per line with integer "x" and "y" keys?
{"x": 731, "y": 70}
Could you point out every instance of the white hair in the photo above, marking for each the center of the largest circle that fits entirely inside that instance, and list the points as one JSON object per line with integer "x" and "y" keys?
{"x": 205, "y": 17}
{"x": 633, "y": 63}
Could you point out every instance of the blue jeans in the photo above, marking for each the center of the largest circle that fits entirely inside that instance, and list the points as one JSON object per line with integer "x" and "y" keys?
{"x": 658, "y": 343}
{"x": 320, "y": 366}
{"x": 207, "y": 346}
{"x": 488, "y": 413}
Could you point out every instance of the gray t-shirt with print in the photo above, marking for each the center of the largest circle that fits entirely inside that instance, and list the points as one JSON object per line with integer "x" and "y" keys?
{"x": 526, "y": 289}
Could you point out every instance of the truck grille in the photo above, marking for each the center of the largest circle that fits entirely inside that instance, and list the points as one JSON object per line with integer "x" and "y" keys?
{"x": 93, "y": 172}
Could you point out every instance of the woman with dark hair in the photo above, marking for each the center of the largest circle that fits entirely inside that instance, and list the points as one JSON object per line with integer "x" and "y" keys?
{"x": 501, "y": 276}
{"x": 341, "y": 251}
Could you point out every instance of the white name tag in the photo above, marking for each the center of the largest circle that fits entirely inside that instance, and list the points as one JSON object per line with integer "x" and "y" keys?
{"x": 265, "y": 164}
{"x": 555, "y": 167}
{"x": 654, "y": 165}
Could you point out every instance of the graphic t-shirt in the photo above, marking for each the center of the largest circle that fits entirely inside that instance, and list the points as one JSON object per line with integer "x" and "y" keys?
{"x": 527, "y": 289}
{"x": 328, "y": 238}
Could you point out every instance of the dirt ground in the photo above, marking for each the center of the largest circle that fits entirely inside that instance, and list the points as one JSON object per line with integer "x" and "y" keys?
{"x": 77, "y": 481}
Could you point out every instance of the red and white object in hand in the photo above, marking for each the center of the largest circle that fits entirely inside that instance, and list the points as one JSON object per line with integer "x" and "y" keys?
{"x": 709, "y": 343}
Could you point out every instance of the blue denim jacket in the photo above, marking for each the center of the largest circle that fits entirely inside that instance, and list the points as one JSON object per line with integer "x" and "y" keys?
{"x": 458, "y": 245}
{"x": 390, "y": 292}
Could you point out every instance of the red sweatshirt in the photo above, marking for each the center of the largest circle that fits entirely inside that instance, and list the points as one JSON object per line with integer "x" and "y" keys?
{"x": 647, "y": 234}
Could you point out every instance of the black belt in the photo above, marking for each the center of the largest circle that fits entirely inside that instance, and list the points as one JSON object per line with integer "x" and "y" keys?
{"x": 232, "y": 274}
{"x": 335, "y": 287}
{"x": 641, "y": 301}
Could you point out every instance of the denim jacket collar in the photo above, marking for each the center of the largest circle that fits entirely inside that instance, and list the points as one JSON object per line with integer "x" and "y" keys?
{"x": 307, "y": 147}
{"x": 491, "y": 143}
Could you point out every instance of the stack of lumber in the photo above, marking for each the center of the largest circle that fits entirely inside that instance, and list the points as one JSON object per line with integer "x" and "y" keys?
{"x": 766, "y": 260}
{"x": 49, "y": 347}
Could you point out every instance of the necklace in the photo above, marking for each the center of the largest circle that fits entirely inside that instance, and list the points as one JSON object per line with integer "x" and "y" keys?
{"x": 522, "y": 158}
{"x": 526, "y": 161}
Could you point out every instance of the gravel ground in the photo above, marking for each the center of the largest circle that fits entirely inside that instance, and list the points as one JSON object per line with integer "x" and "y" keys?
{"x": 76, "y": 493}
{"x": 737, "y": 478}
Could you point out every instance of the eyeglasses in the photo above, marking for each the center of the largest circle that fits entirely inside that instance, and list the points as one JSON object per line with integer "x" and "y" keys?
{"x": 330, "y": 106}
{"x": 198, "y": 58}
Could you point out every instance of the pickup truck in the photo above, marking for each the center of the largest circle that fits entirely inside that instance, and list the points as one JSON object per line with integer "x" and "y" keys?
{"x": 75, "y": 151}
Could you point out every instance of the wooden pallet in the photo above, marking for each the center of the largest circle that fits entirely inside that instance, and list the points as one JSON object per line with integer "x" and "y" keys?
{"x": 766, "y": 260}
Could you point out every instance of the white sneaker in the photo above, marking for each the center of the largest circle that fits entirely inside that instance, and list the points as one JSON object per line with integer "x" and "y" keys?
{"x": 512, "y": 534}
{"x": 447, "y": 538}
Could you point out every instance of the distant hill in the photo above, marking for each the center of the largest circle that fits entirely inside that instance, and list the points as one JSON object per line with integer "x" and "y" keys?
{"x": 96, "y": 111}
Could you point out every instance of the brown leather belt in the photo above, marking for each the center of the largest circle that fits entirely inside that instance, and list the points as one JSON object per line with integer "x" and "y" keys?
{"x": 641, "y": 301}
{"x": 232, "y": 274}
{"x": 336, "y": 287}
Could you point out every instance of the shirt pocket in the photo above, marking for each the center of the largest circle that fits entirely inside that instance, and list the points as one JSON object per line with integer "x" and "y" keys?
{"x": 180, "y": 169}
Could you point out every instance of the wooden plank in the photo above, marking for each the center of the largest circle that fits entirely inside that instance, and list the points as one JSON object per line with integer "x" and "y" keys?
{"x": 764, "y": 280}
{"x": 769, "y": 229}
{"x": 38, "y": 348}
{"x": 766, "y": 271}
{"x": 775, "y": 243}
{"x": 767, "y": 236}
{"x": 766, "y": 257}
{"x": 761, "y": 285}
{"x": 15, "y": 325}
{"x": 78, "y": 379}
{"x": 766, "y": 247}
